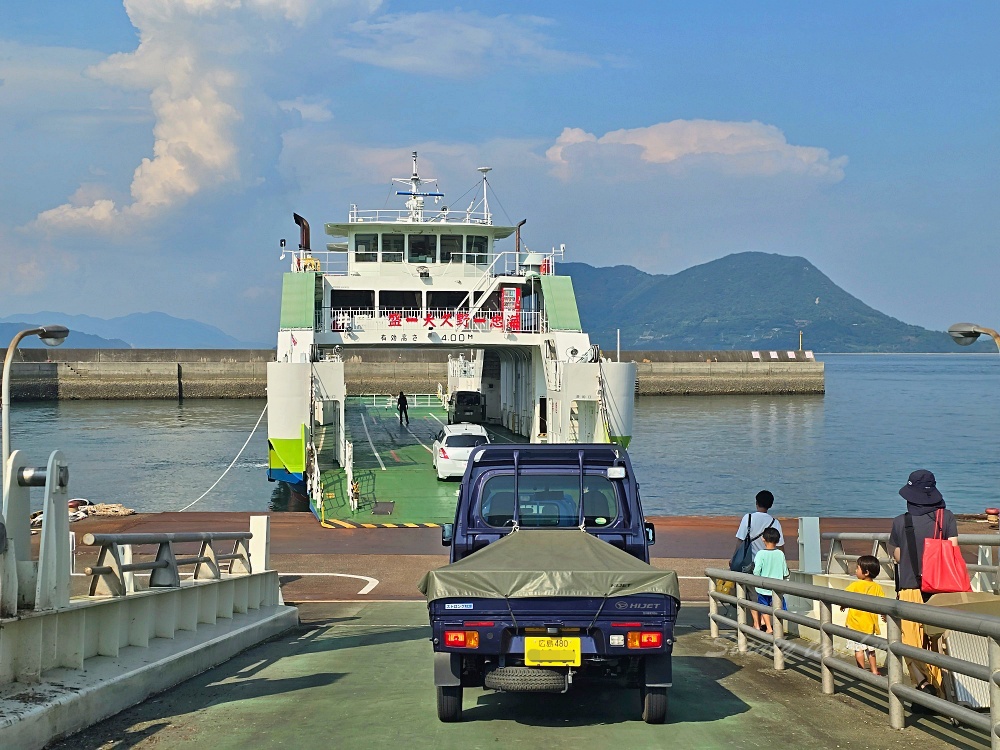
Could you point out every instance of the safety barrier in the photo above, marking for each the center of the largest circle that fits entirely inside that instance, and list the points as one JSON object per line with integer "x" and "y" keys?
{"x": 110, "y": 574}
{"x": 894, "y": 611}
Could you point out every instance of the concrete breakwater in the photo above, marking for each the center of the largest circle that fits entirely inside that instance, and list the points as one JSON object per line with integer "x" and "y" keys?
{"x": 242, "y": 373}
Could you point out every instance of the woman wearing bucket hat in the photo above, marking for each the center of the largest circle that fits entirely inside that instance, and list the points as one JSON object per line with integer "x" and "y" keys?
{"x": 906, "y": 544}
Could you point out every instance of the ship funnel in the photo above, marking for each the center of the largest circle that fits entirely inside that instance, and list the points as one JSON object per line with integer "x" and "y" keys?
{"x": 303, "y": 232}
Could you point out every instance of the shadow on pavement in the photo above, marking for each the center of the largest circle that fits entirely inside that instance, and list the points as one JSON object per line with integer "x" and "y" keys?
{"x": 697, "y": 697}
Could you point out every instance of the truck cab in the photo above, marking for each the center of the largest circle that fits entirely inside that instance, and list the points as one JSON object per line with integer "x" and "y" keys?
{"x": 591, "y": 487}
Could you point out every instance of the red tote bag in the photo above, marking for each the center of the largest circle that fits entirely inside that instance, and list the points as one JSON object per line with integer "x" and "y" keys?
{"x": 944, "y": 570}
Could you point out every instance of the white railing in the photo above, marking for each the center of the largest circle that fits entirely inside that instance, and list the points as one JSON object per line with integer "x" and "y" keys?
{"x": 389, "y": 401}
{"x": 982, "y": 626}
{"x": 404, "y": 216}
{"x": 421, "y": 321}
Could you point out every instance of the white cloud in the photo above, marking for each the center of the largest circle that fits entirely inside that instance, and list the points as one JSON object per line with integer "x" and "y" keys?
{"x": 457, "y": 43}
{"x": 746, "y": 148}
{"x": 190, "y": 58}
{"x": 309, "y": 110}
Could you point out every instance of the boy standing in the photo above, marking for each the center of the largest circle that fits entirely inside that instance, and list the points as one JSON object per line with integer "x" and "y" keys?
{"x": 865, "y": 622}
{"x": 769, "y": 563}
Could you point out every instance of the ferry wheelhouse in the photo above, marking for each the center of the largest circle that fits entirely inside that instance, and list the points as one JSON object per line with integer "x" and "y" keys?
{"x": 416, "y": 278}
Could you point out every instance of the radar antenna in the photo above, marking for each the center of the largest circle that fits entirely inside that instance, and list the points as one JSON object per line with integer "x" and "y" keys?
{"x": 415, "y": 201}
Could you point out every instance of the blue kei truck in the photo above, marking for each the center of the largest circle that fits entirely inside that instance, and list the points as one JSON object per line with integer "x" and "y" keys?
{"x": 549, "y": 581}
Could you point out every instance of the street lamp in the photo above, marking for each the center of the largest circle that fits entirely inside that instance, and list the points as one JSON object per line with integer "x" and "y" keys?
{"x": 966, "y": 333}
{"x": 50, "y": 336}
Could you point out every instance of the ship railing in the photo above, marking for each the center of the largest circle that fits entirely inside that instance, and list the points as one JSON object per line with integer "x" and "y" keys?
{"x": 443, "y": 321}
{"x": 387, "y": 401}
{"x": 429, "y": 214}
{"x": 982, "y": 628}
{"x": 114, "y": 572}
{"x": 329, "y": 262}
{"x": 985, "y": 571}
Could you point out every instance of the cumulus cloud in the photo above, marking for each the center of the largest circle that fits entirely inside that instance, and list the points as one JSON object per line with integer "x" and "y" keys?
{"x": 309, "y": 110}
{"x": 456, "y": 44}
{"x": 745, "y": 148}
{"x": 189, "y": 59}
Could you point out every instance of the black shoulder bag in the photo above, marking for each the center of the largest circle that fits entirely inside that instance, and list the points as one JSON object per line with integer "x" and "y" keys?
{"x": 742, "y": 560}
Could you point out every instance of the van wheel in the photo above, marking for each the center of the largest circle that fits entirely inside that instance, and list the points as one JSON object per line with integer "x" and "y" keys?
{"x": 449, "y": 703}
{"x": 654, "y": 704}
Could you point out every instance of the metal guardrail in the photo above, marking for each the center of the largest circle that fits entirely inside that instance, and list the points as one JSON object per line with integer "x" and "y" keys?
{"x": 895, "y": 612}
{"x": 111, "y": 573}
{"x": 986, "y": 571}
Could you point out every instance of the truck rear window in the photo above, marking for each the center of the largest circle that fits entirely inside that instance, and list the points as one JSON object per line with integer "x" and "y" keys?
{"x": 549, "y": 500}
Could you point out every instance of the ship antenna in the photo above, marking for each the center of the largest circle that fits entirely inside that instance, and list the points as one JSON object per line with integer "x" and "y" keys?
{"x": 486, "y": 204}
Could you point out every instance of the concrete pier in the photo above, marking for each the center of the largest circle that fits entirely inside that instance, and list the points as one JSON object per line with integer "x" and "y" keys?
{"x": 242, "y": 373}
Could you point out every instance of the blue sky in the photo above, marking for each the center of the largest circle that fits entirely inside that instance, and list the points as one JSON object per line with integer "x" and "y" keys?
{"x": 153, "y": 152}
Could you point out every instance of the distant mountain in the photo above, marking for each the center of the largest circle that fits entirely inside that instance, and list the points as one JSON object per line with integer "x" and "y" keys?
{"x": 75, "y": 340}
{"x": 153, "y": 330}
{"x": 743, "y": 301}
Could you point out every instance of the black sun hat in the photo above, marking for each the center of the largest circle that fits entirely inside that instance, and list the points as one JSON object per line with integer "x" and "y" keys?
{"x": 921, "y": 489}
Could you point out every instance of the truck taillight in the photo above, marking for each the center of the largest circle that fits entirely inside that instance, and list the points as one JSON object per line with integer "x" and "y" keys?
{"x": 461, "y": 638}
{"x": 442, "y": 453}
{"x": 644, "y": 639}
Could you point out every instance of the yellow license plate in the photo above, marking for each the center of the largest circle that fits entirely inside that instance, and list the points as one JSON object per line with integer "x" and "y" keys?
{"x": 552, "y": 652}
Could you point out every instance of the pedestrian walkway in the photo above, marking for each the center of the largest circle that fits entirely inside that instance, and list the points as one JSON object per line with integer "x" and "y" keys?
{"x": 359, "y": 675}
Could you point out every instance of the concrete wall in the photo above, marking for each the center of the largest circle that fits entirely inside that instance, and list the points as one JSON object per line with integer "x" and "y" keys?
{"x": 110, "y": 374}
{"x": 711, "y": 378}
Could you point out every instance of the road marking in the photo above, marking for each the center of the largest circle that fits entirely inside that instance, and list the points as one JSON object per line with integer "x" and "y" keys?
{"x": 497, "y": 436}
{"x": 341, "y": 523}
{"x": 368, "y": 435}
{"x": 411, "y": 526}
{"x": 436, "y": 420}
{"x": 372, "y": 582}
{"x": 407, "y": 428}
{"x": 395, "y": 457}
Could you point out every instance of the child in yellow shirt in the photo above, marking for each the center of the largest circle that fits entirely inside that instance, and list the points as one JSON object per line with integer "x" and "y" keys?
{"x": 865, "y": 622}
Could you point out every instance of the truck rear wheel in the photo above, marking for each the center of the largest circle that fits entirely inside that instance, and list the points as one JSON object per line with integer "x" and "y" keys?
{"x": 449, "y": 703}
{"x": 654, "y": 705}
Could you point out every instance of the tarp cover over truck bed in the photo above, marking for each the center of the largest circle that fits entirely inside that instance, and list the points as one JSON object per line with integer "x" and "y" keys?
{"x": 547, "y": 563}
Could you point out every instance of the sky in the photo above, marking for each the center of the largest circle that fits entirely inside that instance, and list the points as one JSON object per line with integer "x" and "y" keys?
{"x": 152, "y": 152}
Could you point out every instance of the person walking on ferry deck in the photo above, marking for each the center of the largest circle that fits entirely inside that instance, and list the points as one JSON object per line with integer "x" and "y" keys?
{"x": 753, "y": 524}
{"x": 401, "y": 405}
{"x": 906, "y": 545}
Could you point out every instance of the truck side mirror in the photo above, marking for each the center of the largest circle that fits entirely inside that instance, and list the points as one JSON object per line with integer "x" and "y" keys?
{"x": 447, "y": 534}
{"x": 650, "y": 533}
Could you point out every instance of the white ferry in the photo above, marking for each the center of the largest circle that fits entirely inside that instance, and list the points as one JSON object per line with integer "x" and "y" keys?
{"x": 427, "y": 276}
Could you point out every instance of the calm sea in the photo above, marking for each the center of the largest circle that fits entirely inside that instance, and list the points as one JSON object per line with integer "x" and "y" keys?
{"x": 846, "y": 453}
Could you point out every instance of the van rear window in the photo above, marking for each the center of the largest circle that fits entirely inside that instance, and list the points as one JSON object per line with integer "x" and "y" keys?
{"x": 468, "y": 398}
{"x": 549, "y": 500}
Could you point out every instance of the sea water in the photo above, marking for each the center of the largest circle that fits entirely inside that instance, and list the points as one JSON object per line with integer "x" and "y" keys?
{"x": 845, "y": 453}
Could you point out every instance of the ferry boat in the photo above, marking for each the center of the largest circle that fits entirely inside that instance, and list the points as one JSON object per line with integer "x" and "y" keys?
{"x": 427, "y": 276}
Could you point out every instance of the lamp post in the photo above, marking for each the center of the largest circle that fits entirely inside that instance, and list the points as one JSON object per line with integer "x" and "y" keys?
{"x": 966, "y": 333}
{"x": 50, "y": 336}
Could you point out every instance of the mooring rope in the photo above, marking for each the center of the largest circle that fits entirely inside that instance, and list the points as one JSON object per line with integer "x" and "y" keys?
{"x": 252, "y": 432}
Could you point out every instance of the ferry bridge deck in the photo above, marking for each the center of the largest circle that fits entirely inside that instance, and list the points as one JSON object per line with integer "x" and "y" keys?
{"x": 357, "y": 673}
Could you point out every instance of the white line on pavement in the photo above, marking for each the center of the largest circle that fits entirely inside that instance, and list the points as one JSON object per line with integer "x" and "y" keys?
{"x": 368, "y": 435}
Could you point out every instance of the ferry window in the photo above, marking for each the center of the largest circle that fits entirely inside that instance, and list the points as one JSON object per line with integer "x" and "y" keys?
{"x": 352, "y": 299}
{"x": 366, "y": 248}
{"x": 392, "y": 248}
{"x": 422, "y": 248}
{"x": 447, "y": 300}
{"x": 549, "y": 500}
{"x": 399, "y": 302}
{"x": 476, "y": 250}
{"x": 451, "y": 248}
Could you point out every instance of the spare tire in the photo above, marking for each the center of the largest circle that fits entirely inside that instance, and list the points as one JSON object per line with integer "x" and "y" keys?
{"x": 526, "y": 680}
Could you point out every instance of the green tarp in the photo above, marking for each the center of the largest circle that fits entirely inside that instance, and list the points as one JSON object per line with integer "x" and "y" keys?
{"x": 549, "y": 562}
{"x": 560, "y": 303}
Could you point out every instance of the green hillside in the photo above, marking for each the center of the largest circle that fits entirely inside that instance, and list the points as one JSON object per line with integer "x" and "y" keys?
{"x": 742, "y": 301}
